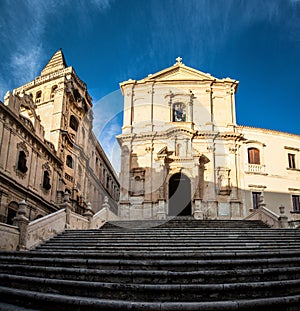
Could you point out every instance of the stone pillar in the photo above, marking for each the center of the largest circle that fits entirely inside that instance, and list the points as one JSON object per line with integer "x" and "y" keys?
{"x": 161, "y": 213}
{"x": 106, "y": 206}
{"x": 89, "y": 214}
{"x": 68, "y": 208}
{"x": 22, "y": 222}
{"x": 261, "y": 203}
{"x": 198, "y": 213}
{"x": 283, "y": 219}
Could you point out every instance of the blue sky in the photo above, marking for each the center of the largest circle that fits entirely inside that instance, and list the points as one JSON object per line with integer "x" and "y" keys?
{"x": 108, "y": 41}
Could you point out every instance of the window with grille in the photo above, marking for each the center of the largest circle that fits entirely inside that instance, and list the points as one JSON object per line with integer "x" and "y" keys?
{"x": 255, "y": 199}
{"x": 291, "y": 159}
{"x": 296, "y": 203}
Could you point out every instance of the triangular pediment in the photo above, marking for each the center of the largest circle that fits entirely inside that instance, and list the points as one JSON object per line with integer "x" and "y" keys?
{"x": 177, "y": 72}
{"x": 180, "y": 72}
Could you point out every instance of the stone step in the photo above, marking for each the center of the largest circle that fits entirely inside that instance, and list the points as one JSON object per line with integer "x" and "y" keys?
{"x": 200, "y": 276}
{"x": 159, "y": 292}
{"x": 184, "y": 264}
{"x": 180, "y": 231}
{"x": 49, "y": 301}
{"x": 158, "y": 248}
{"x": 140, "y": 261}
{"x": 172, "y": 241}
{"x": 175, "y": 222}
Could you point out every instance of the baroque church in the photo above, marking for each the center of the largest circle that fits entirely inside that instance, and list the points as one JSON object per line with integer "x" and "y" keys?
{"x": 48, "y": 147}
{"x": 184, "y": 154}
{"x": 77, "y": 225}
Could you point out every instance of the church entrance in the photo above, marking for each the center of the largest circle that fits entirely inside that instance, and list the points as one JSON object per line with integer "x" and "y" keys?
{"x": 180, "y": 195}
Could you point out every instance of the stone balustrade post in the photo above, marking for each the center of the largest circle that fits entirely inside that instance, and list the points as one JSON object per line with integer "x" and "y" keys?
{"x": 22, "y": 222}
{"x": 89, "y": 214}
{"x": 261, "y": 205}
{"x": 198, "y": 213}
{"x": 283, "y": 219}
{"x": 106, "y": 206}
{"x": 68, "y": 208}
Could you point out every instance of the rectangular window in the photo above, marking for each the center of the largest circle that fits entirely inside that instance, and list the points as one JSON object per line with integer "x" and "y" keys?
{"x": 292, "y": 162}
{"x": 253, "y": 156}
{"x": 255, "y": 199}
{"x": 296, "y": 203}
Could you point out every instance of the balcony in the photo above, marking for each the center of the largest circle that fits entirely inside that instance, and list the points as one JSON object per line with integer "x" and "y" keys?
{"x": 255, "y": 169}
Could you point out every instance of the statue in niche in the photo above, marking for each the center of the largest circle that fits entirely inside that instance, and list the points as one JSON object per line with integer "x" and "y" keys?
{"x": 179, "y": 112}
{"x": 224, "y": 181}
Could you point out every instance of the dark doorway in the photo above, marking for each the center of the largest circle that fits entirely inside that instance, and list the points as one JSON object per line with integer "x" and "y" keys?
{"x": 11, "y": 214}
{"x": 180, "y": 195}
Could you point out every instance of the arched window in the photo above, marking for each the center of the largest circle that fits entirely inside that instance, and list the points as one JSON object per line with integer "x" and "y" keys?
{"x": 179, "y": 112}
{"x": 73, "y": 123}
{"x": 69, "y": 161}
{"x": 38, "y": 96}
{"x": 46, "y": 180}
{"x": 53, "y": 89}
{"x": 253, "y": 156}
{"x": 22, "y": 162}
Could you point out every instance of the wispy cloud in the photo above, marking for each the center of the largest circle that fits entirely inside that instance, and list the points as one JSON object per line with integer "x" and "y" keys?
{"x": 22, "y": 34}
{"x": 202, "y": 27}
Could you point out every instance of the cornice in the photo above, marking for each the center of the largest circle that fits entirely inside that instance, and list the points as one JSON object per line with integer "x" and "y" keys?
{"x": 267, "y": 131}
{"x": 54, "y": 75}
{"x": 193, "y": 134}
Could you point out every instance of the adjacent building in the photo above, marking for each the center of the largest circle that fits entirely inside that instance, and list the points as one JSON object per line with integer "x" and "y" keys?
{"x": 47, "y": 146}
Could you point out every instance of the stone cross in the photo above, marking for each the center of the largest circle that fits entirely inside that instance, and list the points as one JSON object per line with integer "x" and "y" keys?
{"x": 178, "y": 59}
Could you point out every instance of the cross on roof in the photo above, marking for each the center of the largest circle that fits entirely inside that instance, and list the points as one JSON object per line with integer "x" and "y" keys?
{"x": 178, "y": 59}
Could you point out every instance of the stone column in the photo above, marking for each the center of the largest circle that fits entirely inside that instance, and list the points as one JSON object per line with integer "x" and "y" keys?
{"x": 22, "y": 222}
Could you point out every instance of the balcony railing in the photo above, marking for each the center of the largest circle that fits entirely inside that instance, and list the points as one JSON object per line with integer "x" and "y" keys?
{"x": 256, "y": 168}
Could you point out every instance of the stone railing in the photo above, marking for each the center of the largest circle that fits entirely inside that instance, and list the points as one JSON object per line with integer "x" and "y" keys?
{"x": 78, "y": 222}
{"x": 255, "y": 168}
{"x": 42, "y": 229}
{"x": 9, "y": 237}
{"x": 25, "y": 235}
{"x": 266, "y": 216}
{"x": 269, "y": 217}
{"x": 99, "y": 218}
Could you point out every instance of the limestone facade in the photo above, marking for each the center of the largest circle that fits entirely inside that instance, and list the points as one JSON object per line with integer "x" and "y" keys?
{"x": 48, "y": 121}
{"x": 181, "y": 146}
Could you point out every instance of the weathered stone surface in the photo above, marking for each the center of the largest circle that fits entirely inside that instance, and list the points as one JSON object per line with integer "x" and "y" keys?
{"x": 209, "y": 265}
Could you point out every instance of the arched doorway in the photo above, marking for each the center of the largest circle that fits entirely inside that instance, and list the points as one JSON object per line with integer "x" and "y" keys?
{"x": 180, "y": 195}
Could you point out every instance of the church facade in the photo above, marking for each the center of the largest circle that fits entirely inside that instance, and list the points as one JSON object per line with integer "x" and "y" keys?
{"x": 47, "y": 146}
{"x": 184, "y": 154}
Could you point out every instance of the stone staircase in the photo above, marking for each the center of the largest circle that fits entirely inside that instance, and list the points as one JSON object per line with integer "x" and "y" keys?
{"x": 182, "y": 264}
